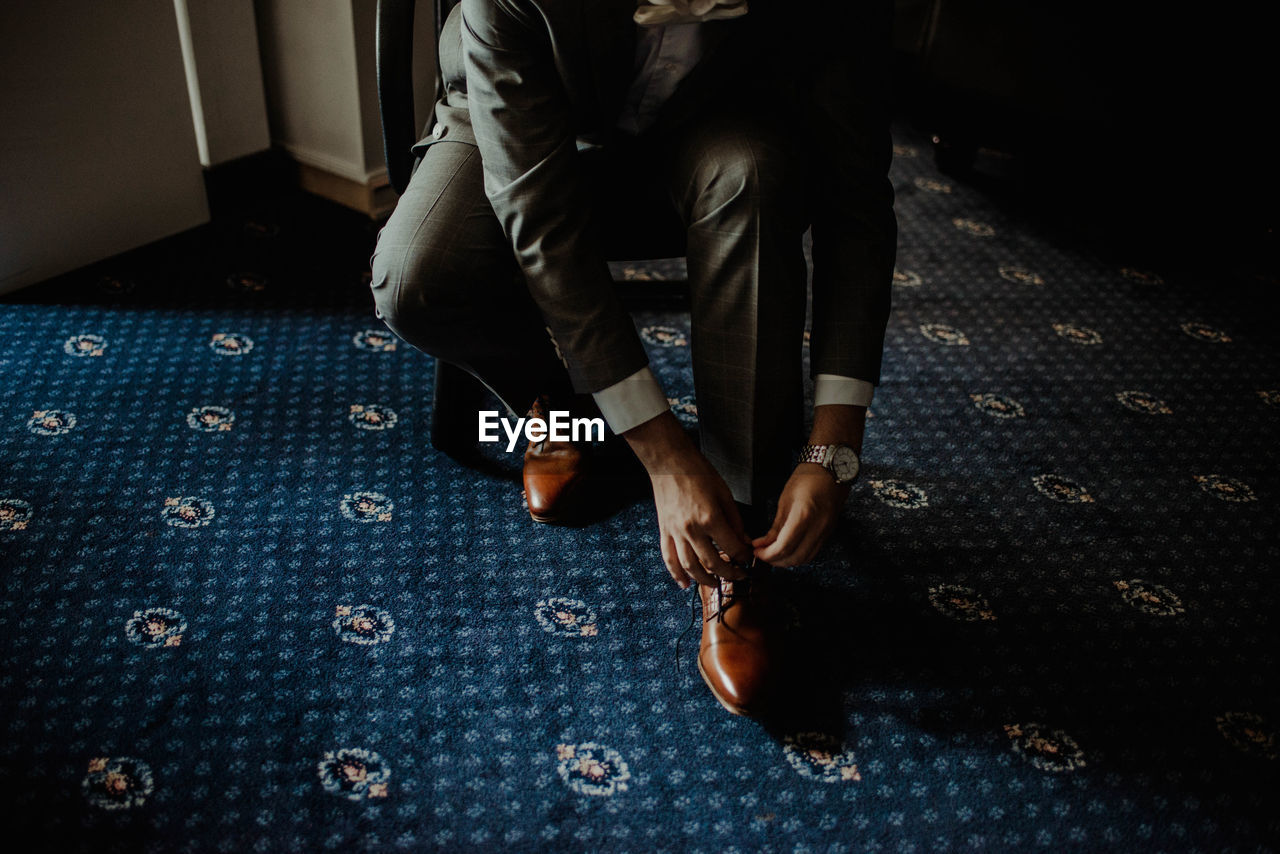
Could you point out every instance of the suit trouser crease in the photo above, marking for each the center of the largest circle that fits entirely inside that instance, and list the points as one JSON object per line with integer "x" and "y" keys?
{"x": 747, "y": 277}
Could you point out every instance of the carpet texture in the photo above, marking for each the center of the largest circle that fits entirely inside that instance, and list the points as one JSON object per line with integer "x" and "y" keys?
{"x": 247, "y": 607}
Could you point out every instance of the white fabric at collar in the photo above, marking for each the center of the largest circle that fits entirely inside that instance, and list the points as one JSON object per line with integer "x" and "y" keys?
{"x": 654, "y": 12}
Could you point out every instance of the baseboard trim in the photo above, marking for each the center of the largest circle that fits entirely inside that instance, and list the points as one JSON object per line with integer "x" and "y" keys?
{"x": 238, "y": 183}
{"x": 373, "y": 197}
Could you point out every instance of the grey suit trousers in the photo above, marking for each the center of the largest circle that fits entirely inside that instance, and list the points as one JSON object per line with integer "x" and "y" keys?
{"x": 445, "y": 278}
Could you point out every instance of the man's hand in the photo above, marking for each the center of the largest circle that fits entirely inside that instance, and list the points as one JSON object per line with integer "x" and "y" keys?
{"x": 697, "y": 519}
{"x": 810, "y": 504}
{"x": 808, "y": 511}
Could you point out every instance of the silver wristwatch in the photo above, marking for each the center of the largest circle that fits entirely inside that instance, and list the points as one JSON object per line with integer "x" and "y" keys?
{"x": 841, "y": 460}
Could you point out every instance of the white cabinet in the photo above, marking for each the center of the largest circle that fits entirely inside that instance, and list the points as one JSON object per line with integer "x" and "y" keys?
{"x": 97, "y": 147}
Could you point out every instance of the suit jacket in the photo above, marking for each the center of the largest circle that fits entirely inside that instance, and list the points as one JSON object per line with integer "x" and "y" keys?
{"x": 525, "y": 78}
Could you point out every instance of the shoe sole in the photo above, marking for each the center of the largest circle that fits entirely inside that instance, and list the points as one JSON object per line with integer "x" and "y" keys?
{"x": 569, "y": 504}
{"x": 741, "y": 711}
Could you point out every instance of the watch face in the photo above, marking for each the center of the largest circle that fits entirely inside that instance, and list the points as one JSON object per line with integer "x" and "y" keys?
{"x": 844, "y": 464}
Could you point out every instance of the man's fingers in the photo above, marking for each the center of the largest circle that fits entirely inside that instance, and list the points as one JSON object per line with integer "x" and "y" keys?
{"x": 730, "y": 539}
{"x": 804, "y": 552}
{"x": 788, "y": 538}
{"x": 770, "y": 536}
{"x": 692, "y": 564}
{"x": 669, "y": 559}
{"x": 737, "y": 548}
{"x": 821, "y": 537}
{"x": 685, "y": 558}
{"x": 808, "y": 543}
{"x": 704, "y": 578}
{"x": 729, "y": 532}
{"x": 816, "y": 539}
{"x": 774, "y": 554}
{"x": 709, "y": 557}
{"x": 731, "y": 570}
{"x": 784, "y": 552}
{"x": 780, "y": 556}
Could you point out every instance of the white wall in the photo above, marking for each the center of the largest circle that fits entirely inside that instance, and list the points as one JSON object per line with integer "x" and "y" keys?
{"x": 223, "y": 63}
{"x": 318, "y": 63}
{"x": 309, "y": 63}
{"x": 97, "y": 149}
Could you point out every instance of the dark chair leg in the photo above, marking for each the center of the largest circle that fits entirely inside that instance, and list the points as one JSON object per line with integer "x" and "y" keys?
{"x": 457, "y": 399}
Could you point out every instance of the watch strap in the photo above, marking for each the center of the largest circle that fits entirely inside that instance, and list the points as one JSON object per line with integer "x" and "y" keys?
{"x": 825, "y": 456}
{"x": 814, "y": 454}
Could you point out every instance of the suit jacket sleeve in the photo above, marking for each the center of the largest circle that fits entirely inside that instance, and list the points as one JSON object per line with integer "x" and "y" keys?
{"x": 523, "y": 124}
{"x": 842, "y": 86}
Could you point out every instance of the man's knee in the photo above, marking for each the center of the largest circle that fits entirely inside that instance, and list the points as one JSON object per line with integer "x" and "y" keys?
{"x": 436, "y": 239}
{"x": 386, "y": 281}
{"x": 409, "y": 280}
{"x": 743, "y": 175}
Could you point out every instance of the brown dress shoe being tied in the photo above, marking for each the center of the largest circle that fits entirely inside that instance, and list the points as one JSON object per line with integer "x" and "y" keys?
{"x": 736, "y": 657}
{"x": 553, "y": 476}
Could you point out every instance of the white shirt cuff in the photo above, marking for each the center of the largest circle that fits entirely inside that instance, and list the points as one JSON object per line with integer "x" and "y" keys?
{"x": 631, "y": 402}
{"x": 830, "y": 389}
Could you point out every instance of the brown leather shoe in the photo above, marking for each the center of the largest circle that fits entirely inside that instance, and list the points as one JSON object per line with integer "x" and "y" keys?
{"x": 553, "y": 476}
{"x": 736, "y": 657}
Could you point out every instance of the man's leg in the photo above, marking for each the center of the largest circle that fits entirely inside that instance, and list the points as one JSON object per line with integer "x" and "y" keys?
{"x": 737, "y": 185}
{"x": 445, "y": 280}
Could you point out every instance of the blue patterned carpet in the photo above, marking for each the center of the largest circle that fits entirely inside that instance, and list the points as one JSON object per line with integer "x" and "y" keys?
{"x": 246, "y": 607}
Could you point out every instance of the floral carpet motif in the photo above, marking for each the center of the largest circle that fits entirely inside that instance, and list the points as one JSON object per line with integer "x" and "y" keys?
{"x": 246, "y": 606}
